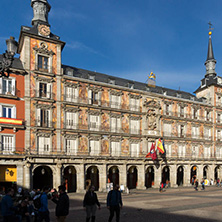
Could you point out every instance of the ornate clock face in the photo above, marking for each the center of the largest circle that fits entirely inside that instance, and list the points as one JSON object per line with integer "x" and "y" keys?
{"x": 44, "y": 30}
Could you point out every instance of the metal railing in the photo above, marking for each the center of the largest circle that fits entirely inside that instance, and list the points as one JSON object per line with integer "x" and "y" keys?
{"x": 40, "y": 94}
{"x": 44, "y": 124}
{"x": 105, "y": 103}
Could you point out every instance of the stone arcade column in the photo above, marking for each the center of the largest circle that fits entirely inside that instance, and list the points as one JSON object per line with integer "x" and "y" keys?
{"x": 57, "y": 176}
{"x": 173, "y": 175}
{"x": 186, "y": 178}
{"x": 27, "y": 173}
{"x": 141, "y": 177}
{"x": 80, "y": 178}
{"x": 210, "y": 173}
{"x": 102, "y": 177}
{"x": 123, "y": 175}
{"x": 200, "y": 172}
{"x": 20, "y": 174}
{"x": 157, "y": 176}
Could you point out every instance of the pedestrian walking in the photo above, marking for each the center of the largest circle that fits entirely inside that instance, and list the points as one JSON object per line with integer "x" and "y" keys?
{"x": 7, "y": 208}
{"x": 43, "y": 212}
{"x": 196, "y": 185}
{"x": 114, "y": 203}
{"x": 62, "y": 204}
{"x": 203, "y": 184}
{"x": 90, "y": 201}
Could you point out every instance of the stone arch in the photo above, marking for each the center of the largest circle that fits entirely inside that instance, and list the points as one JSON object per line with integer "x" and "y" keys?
{"x": 166, "y": 174}
{"x": 92, "y": 176}
{"x": 132, "y": 177}
{"x": 193, "y": 174}
{"x": 113, "y": 175}
{"x": 42, "y": 176}
{"x": 149, "y": 176}
{"x": 69, "y": 178}
{"x": 180, "y": 175}
{"x": 205, "y": 171}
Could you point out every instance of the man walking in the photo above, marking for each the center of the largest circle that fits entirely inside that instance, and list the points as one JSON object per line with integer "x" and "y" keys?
{"x": 114, "y": 203}
{"x": 43, "y": 213}
{"x": 62, "y": 204}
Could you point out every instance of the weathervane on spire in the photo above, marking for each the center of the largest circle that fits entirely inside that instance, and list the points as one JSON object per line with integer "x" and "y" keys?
{"x": 210, "y": 28}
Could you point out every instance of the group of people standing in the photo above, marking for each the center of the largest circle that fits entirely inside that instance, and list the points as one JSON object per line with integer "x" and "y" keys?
{"x": 14, "y": 210}
{"x": 114, "y": 203}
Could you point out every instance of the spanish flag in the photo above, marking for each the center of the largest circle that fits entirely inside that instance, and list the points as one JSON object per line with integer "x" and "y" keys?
{"x": 160, "y": 146}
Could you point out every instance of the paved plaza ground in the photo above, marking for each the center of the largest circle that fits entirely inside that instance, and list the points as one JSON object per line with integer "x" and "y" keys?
{"x": 181, "y": 204}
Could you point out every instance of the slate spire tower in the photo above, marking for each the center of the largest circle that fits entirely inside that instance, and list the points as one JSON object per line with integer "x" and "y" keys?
{"x": 41, "y": 9}
{"x": 210, "y": 62}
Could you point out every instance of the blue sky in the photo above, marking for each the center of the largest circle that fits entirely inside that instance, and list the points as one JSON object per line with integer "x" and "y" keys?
{"x": 128, "y": 38}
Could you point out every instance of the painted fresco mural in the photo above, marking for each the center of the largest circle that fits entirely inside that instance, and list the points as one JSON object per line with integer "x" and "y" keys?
{"x": 83, "y": 93}
{"x": 125, "y": 147}
{"x": 125, "y": 100}
{"x": 105, "y": 97}
{"x": 105, "y": 145}
{"x": 83, "y": 144}
{"x": 83, "y": 119}
{"x": 125, "y": 124}
{"x": 105, "y": 124}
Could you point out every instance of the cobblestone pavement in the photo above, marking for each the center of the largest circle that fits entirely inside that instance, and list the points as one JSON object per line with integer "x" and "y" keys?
{"x": 181, "y": 204}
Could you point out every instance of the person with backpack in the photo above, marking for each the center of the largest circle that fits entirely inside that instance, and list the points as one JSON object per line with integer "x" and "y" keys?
{"x": 43, "y": 211}
{"x": 90, "y": 201}
{"x": 62, "y": 204}
{"x": 114, "y": 203}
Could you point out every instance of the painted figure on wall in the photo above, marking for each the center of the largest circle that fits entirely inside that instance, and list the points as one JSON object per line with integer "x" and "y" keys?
{"x": 125, "y": 101}
{"x": 105, "y": 98}
{"x": 125, "y": 147}
{"x": 83, "y": 144}
{"x": 105, "y": 146}
{"x": 105, "y": 122}
{"x": 125, "y": 124}
{"x": 152, "y": 119}
{"x": 83, "y": 119}
{"x": 83, "y": 94}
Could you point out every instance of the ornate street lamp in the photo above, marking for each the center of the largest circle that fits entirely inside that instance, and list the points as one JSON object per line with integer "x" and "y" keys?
{"x": 8, "y": 56}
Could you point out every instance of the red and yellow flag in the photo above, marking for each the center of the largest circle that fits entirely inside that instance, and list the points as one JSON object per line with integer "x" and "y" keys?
{"x": 160, "y": 146}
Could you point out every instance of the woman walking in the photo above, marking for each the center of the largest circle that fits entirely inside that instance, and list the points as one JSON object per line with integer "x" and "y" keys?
{"x": 90, "y": 201}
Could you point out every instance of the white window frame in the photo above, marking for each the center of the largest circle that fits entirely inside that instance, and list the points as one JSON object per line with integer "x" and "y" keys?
{"x": 71, "y": 94}
{"x": 7, "y": 143}
{"x": 181, "y": 150}
{"x": 71, "y": 120}
{"x": 48, "y": 94}
{"x": 115, "y": 124}
{"x": 167, "y": 129}
{"x": 134, "y": 126}
{"x": 44, "y": 145}
{"x": 94, "y": 147}
{"x": 94, "y": 122}
{"x": 207, "y": 152}
{"x": 134, "y": 149}
{"x": 71, "y": 146}
{"x": 115, "y": 148}
{"x": 115, "y": 101}
{"x": 39, "y": 120}
{"x": 12, "y": 107}
{"x": 8, "y": 92}
{"x": 195, "y": 132}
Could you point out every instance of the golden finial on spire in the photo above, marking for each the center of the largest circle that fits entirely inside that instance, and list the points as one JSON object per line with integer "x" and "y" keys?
{"x": 210, "y": 28}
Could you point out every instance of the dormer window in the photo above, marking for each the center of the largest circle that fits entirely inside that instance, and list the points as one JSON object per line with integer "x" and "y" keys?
{"x": 92, "y": 77}
{"x": 112, "y": 81}
{"x": 43, "y": 63}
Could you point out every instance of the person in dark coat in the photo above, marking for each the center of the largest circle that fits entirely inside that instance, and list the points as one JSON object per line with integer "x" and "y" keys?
{"x": 90, "y": 201}
{"x": 114, "y": 203}
{"x": 196, "y": 185}
{"x": 62, "y": 204}
{"x": 7, "y": 207}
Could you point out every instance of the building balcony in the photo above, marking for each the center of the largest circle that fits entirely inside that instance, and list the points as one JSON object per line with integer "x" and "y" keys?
{"x": 44, "y": 96}
{"x": 12, "y": 123}
{"x": 103, "y": 103}
{"x": 44, "y": 124}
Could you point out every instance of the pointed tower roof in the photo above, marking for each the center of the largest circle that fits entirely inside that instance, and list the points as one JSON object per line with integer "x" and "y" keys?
{"x": 210, "y": 54}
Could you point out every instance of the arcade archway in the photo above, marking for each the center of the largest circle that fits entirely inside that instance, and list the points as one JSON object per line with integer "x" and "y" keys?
{"x": 193, "y": 174}
{"x": 92, "y": 175}
{"x": 113, "y": 176}
{"x": 216, "y": 173}
{"x": 205, "y": 170}
{"x": 42, "y": 176}
{"x": 180, "y": 175}
{"x": 166, "y": 175}
{"x": 149, "y": 177}
{"x": 70, "y": 179}
{"x": 132, "y": 177}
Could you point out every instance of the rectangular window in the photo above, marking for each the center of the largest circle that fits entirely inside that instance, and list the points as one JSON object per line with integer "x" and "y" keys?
{"x": 115, "y": 101}
{"x": 71, "y": 146}
{"x": 44, "y": 145}
{"x": 71, "y": 120}
{"x": 42, "y": 89}
{"x": 7, "y": 143}
{"x": 167, "y": 128}
{"x": 43, "y": 63}
{"x": 181, "y": 151}
{"x": 134, "y": 150}
{"x": 7, "y": 86}
{"x": 94, "y": 148}
{"x": 71, "y": 94}
{"x": 181, "y": 131}
{"x": 167, "y": 109}
{"x": 115, "y": 124}
{"x": 94, "y": 122}
{"x": 43, "y": 118}
{"x": 206, "y": 152}
{"x": 218, "y": 117}
{"x": 134, "y": 126}
{"x": 115, "y": 148}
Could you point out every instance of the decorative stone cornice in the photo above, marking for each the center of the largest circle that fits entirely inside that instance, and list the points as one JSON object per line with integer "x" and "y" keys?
{"x": 115, "y": 139}
{"x": 168, "y": 121}
{"x": 95, "y": 138}
{"x": 168, "y": 102}
{"x": 43, "y": 49}
{"x": 44, "y": 134}
{"x": 134, "y": 96}
{"x": 95, "y": 89}
{"x": 135, "y": 140}
{"x": 182, "y": 104}
{"x": 44, "y": 106}
{"x": 115, "y": 115}
{"x": 71, "y": 109}
{"x": 71, "y": 84}
{"x": 94, "y": 112}
{"x": 71, "y": 136}
{"x": 115, "y": 93}
{"x": 151, "y": 103}
{"x": 42, "y": 79}
{"x": 196, "y": 107}
{"x": 135, "y": 117}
